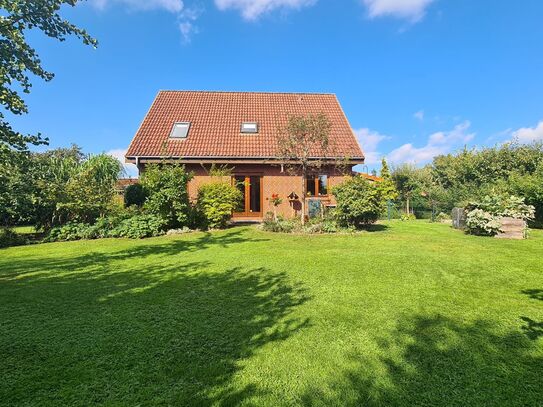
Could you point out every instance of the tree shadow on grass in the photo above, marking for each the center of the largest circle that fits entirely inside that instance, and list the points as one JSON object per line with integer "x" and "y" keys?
{"x": 535, "y": 294}
{"x": 34, "y": 266}
{"x": 438, "y": 361}
{"x": 157, "y": 334}
{"x": 533, "y": 329}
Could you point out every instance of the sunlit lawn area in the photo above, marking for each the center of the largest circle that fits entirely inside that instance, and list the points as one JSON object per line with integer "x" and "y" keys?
{"x": 412, "y": 314}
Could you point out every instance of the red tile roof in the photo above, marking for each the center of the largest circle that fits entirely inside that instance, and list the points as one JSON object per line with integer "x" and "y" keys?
{"x": 369, "y": 177}
{"x": 216, "y": 119}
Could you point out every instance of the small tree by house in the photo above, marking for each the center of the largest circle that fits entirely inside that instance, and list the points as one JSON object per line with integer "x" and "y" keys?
{"x": 167, "y": 195}
{"x": 218, "y": 199}
{"x": 303, "y": 145}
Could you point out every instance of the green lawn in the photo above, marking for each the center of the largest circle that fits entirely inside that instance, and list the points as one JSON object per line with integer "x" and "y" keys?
{"x": 410, "y": 314}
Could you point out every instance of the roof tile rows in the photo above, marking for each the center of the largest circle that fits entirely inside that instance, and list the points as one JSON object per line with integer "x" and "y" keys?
{"x": 216, "y": 119}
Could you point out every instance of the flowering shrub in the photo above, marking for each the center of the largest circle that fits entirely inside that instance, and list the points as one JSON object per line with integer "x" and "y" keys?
{"x": 275, "y": 201}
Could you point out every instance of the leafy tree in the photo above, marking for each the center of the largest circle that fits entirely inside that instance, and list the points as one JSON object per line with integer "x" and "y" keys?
{"x": 51, "y": 171}
{"x": 359, "y": 202}
{"x": 16, "y": 189}
{"x": 167, "y": 195}
{"x": 90, "y": 190}
{"x": 134, "y": 195}
{"x": 303, "y": 146}
{"x": 18, "y": 60}
{"x": 407, "y": 178}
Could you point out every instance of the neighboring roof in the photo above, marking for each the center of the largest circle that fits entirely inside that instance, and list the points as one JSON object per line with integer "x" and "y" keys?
{"x": 122, "y": 183}
{"x": 369, "y": 177}
{"x": 216, "y": 117}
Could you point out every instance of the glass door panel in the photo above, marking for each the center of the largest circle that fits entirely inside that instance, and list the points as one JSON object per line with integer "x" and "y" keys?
{"x": 254, "y": 193}
{"x": 239, "y": 180}
{"x": 251, "y": 190}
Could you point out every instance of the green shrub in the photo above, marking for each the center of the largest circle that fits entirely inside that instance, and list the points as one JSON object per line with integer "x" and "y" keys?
{"x": 69, "y": 231}
{"x": 504, "y": 206}
{"x": 280, "y": 225}
{"x": 482, "y": 223}
{"x": 216, "y": 202}
{"x": 330, "y": 226}
{"x": 167, "y": 196}
{"x": 140, "y": 226}
{"x": 9, "y": 237}
{"x": 104, "y": 227}
{"x": 134, "y": 195}
{"x": 442, "y": 217}
{"x": 405, "y": 217}
{"x": 359, "y": 203}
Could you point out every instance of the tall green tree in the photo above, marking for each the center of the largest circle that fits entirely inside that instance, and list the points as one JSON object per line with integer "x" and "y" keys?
{"x": 407, "y": 178}
{"x": 385, "y": 170}
{"x": 19, "y": 61}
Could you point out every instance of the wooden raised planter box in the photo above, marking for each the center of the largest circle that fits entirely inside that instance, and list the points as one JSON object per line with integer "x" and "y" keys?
{"x": 512, "y": 229}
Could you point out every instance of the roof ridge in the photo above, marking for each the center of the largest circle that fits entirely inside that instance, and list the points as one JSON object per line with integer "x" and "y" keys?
{"x": 245, "y": 92}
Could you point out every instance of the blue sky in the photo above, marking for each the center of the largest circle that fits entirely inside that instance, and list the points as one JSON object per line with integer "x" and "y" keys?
{"x": 416, "y": 78}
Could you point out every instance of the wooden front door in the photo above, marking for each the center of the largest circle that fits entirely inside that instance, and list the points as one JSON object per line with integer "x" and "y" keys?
{"x": 251, "y": 189}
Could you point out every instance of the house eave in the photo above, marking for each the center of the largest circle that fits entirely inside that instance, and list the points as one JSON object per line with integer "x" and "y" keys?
{"x": 230, "y": 160}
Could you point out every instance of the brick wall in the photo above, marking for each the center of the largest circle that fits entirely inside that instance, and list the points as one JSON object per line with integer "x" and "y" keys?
{"x": 273, "y": 182}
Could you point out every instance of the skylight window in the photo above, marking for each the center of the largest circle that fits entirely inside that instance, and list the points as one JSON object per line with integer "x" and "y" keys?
{"x": 249, "y": 127}
{"x": 180, "y": 130}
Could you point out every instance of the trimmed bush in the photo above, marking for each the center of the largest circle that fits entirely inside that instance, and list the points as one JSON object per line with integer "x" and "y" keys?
{"x": 359, "y": 203}
{"x": 216, "y": 202}
{"x": 9, "y": 237}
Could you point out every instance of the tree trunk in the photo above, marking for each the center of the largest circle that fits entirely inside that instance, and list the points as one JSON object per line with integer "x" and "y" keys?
{"x": 304, "y": 193}
{"x": 407, "y": 205}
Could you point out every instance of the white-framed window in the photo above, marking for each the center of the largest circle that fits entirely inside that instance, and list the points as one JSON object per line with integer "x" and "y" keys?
{"x": 180, "y": 130}
{"x": 249, "y": 127}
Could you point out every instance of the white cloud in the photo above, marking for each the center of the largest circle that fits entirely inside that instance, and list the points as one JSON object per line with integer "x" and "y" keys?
{"x": 253, "y": 9}
{"x": 529, "y": 134}
{"x": 412, "y": 10}
{"x": 130, "y": 169}
{"x": 438, "y": 143}
{"x": 369, "y": 141}
{"x": 419, "y": 115}
{"x": 187, "y": 19}
{"x": 174, "y": 6}
{"x": 186, "y": 16}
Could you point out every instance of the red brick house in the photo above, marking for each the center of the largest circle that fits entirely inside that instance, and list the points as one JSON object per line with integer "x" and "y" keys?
{"x": 239, "y": 129}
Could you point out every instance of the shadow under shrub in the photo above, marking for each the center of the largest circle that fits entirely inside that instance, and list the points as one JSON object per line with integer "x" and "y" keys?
{"x": 9, "y": 237}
